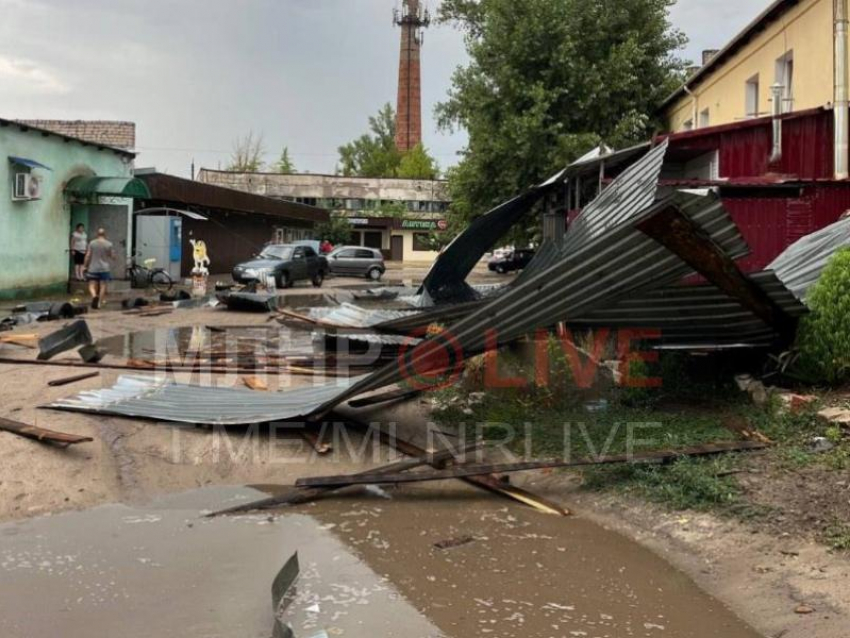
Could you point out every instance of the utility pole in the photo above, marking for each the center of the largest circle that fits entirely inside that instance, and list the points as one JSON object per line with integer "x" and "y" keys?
{"x": 413, "y": 20}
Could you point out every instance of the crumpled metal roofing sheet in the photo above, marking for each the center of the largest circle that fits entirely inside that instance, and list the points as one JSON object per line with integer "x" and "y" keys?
{"x": 447, "y": 278}
{"x": 165, "y": 400}
{"x": 352, "y": 316}
{"x": 800, "y": 266}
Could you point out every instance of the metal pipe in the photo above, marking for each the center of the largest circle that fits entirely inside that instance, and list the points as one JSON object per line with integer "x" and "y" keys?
{"x": 841, "y": 102}
{"x": 694, "y": 107}
{"x": 776, "y": 153}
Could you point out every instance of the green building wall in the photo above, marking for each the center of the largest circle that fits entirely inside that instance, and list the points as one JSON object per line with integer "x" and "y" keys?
{"x": 34, "y": 235}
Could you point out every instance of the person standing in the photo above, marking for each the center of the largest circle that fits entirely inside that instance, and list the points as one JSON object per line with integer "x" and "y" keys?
{"x": 98, "y": 267}
{"x": 79, "y": 246}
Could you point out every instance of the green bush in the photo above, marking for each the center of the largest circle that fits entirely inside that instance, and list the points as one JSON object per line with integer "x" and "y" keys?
{"x": 824, "y": 334}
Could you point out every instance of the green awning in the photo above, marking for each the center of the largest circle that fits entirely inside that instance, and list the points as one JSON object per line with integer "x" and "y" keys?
{"x": 111, "y": 186}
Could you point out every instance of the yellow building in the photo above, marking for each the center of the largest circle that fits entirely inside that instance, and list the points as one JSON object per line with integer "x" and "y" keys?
{"x": 790, "y": 49}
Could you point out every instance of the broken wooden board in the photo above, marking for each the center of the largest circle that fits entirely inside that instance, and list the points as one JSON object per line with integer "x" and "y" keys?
{"x": 465, "y": 471}
{"x": 487, "y": 482}
{"x": 255, "y": 383}
{"x": 22, "y": 340}
{"x": 315, "y": 440}
{"x": 41, "y": 434}
{"x": 68, "y": 380}
{"x": 299, "y": 496}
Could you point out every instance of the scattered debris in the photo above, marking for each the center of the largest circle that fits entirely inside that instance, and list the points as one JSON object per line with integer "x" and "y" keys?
{"x": 836, "y": 416}
{"x": 821, "y": 445}
{"x": 23, "y": 340}
{"x": 804, "y": 609}
{"x": 255, "y": 383}
{"x": 795, "y": 403}
{"x": 42, "y": 435}
{"x": 299, "y": 496}
{"x": 91, "y": 353}
{"x": 463, "y": 471}
{"x": 73, "y": 336}
{"x": 248, "y": 301}
{"x": 315, "y": 440}
{"x": 74, "y": 379}
{"x": 451, "y": 543}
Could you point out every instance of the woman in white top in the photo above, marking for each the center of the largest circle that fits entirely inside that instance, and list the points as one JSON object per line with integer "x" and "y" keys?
{"x": 79, "y": 246}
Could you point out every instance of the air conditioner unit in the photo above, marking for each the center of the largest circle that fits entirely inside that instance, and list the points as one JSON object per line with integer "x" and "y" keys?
{"x": 27, "y": 187}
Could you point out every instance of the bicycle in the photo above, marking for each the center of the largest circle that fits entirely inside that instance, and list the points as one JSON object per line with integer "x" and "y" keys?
{"x": 148, "y": 276}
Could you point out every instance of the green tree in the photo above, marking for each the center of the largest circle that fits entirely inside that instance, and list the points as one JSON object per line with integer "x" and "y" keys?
{"x": 337, "y": 231}
{"x": 373, "y": 154}
{"x": 548, "y": 80}
{"x": 824, "y": 334}
{"x": 248, "y": 153}
{"x": 417, "y": 164}
{"x": 284, "y": 164}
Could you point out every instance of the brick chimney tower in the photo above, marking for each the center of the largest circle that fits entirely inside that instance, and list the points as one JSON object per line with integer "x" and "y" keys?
{"x": 413, "y": 20}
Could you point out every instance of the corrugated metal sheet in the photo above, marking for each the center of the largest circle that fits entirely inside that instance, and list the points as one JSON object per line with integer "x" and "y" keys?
{"x": 164, "y": 400}
{"x": 351, "y": 316}
{"x": 447, "y": 278}
{"x": 800, "y": 266}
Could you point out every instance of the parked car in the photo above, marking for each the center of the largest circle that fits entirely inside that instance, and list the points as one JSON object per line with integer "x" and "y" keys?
{"x": 288, "y": 263}
{"x": 357, "y": 261}
{"x": 516, "y": 260}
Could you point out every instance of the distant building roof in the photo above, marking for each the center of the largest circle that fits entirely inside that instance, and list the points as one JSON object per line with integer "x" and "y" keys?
{"x": 168, "y": 188}
{"x": 25, "y": 126}
{"x": 108, "y": 132}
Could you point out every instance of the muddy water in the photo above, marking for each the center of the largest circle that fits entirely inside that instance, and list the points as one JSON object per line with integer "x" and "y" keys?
{"x": 523, "y": 574}
{"x": 369, "y": 568}
{"x": 164, "y": 571}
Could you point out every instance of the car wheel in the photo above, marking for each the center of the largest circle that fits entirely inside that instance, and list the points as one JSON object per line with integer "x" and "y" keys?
{"x": 283, "y": 281}
{"x": 501, "y": 270}
{"x": 318, "y": 280}
{"x": 375, "y": 274}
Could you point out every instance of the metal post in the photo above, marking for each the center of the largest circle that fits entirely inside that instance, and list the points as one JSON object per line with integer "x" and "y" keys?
{"x": 776, "y": 153}
{"x": 840, "y": 108}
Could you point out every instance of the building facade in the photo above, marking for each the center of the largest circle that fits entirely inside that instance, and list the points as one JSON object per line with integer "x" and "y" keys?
{"x": 794, "y": 48}
{"x": 396, "y": 216}
{"x": 234, "y": 224}
{"x": 49, "y": 182}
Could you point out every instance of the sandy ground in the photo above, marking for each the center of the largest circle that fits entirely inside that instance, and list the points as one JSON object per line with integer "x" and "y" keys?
{"x": 762, "y": 576}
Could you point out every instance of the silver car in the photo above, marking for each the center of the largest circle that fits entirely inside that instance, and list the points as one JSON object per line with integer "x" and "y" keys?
{"x": 357, "y": 261}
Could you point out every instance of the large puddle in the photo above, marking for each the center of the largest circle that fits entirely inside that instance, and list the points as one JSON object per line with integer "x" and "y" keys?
{"x": 415, "y": 563}
{"x": 164, "y": 571}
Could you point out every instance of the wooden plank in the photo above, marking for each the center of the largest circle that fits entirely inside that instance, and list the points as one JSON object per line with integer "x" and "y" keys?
{"x": 255, "y": 383}
{"x": 488, "y": 482}
{"x": 68, "y": 380}
{"x": 299, "y": 496}
{"x": 42, "y": 435}
{"x": 464, "y": 471}
{"x": 22, "y": 340}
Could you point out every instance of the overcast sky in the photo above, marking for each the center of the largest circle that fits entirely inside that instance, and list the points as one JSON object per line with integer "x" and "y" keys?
{"x": 196, "y": 74}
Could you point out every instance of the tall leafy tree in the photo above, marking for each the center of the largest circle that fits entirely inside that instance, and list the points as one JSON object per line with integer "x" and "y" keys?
{"x": 417, "y": 164}
{"x": 373, "y": 154}
{"x": 285, "y": 164}
{"x": 548, "y": 80}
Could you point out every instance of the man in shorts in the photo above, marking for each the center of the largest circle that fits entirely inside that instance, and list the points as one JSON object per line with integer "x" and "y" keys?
{"x": 99, "y": 268}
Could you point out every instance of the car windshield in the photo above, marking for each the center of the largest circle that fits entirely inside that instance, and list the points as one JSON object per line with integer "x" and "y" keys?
{"x": 277, "y": 252}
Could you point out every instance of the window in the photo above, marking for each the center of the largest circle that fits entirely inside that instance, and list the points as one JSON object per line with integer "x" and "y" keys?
{"x": 364, "y": 254}
{"x": 345, "y": 254}
{"x": 688, "y": 125}
{"x": 752, "y": 96}
{"x": 422, "y": 242}
{"x": 785, "y": 77}
{"x": 704, "y": 118}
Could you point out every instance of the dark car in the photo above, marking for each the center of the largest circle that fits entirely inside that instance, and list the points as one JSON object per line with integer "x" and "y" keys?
{"x": 517, "y": 260}
{"x": 288, "y": 264}
{"x": 357, "y": 261}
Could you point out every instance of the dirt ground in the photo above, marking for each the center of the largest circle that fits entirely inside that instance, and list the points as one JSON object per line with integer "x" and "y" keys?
{"x": 764, "y": 575}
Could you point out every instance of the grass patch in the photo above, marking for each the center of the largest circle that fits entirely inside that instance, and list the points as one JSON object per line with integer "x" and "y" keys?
{"x": 838, "y": 536}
